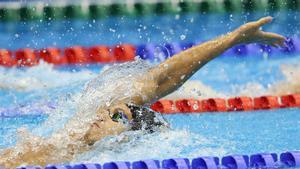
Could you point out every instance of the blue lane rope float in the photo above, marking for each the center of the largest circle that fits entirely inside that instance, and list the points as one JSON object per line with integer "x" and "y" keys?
{"x": 182, "y": 163}
{"x": 290, "y": 159}
{"x": 268, "y": 160}
{"x": 153, "y": 164}
{"x": 127, "y": 52}
{"x": 236, "y": 161}
{"x": 205, "y": 162}
{"x": 116, "y": 165}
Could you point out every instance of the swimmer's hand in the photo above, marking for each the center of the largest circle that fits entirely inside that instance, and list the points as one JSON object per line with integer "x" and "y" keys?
{"x": 251, "y": 33}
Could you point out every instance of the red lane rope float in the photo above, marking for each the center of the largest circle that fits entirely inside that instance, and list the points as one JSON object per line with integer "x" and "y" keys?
{"x": 213, "y": 105}
{"x": 124, "y": 52}
{"x": 165, "y": 106}
{"x": 101, "y": 54}
{"x": 240, "y": 104}
{"x": 292, "y": 100}
{"x": 53, "y": 55}
{"x": 26, "y": 57}
{"x": 76, "y": 55}
{"x": 188, "y": 105}
{"x": 70, "y": 55}
{"x": 6, "y": 58}
{"x": 226, "y": 105}
{"x": 266, "y": 102}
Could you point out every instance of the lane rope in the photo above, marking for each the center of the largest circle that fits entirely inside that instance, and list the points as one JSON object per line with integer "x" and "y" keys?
{"x": 234, "y": 104}
{"x": 127, "y": 52}
{"x": 14, "y": 11}
{"x": 242, "y": 103}
{"x": 289, "y": 159}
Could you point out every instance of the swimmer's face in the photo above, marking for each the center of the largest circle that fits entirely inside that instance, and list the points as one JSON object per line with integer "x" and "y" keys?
{"x": 111, "y": 121}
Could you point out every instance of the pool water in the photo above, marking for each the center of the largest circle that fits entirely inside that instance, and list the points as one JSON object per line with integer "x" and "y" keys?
{"x": 136, "y": 30}
{"x": 29, "y": 96}
{"x": 192, "y": 135}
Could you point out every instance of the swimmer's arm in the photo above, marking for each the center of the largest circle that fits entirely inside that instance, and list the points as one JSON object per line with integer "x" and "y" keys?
{"x": 173, "y": 72}
{"x": 35, "y": 155}
{"x": 26, "y": 154}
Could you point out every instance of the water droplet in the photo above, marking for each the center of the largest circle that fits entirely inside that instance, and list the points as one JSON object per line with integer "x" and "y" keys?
{"x": 182, "y": 37}
{"x": 112, "y": 30}
{"x": 195, "y": 106}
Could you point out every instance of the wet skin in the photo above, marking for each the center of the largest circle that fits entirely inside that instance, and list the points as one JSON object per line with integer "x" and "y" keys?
{"x": 106, "y": 125}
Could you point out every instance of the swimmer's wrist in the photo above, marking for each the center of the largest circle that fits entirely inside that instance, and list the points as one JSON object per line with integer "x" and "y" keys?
{"x": 232, "y": 39}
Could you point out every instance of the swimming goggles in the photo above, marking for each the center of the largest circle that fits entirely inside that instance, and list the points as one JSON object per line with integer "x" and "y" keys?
{"x": 119, "y": 116}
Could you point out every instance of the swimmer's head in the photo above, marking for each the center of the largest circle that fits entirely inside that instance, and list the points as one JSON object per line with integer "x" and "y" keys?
{"x": 120, "y": 118}
{"x": 145, "y": 119}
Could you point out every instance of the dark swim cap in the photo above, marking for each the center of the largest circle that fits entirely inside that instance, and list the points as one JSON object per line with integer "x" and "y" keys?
{"x": 144, "y": 118}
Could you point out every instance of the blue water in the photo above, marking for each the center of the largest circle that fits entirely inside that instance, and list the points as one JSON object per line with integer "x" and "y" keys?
{"x": 34, "y": 90}
{"x": 150, "y": 29}
{"x": 222, "y": 74}
{"x": 237, "y": 133}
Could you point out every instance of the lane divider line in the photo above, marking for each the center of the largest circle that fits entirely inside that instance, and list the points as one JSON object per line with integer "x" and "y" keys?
{"x": 242, "y": 103}
{"x": 12, "y": 11}
{"x": 127, "y": 52}
{"x": 234, "y": 104}
{"x": 289, "y": 159}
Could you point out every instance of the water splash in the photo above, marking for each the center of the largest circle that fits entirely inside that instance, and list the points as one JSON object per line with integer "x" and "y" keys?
{"x": 291, "y": 84}
{"x": 42, "y": 76}
{"x": 36, "y": 108}
{"x": 136, "y": 145}
{"x": 194, "y": 89}
{"x": 74, "y": 113}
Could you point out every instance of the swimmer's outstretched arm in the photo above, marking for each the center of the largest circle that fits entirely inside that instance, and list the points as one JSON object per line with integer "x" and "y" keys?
{"x": 172, "y": 73}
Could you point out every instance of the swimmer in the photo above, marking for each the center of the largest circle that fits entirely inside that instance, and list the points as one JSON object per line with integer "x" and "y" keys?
{"x": 131, "y": 113}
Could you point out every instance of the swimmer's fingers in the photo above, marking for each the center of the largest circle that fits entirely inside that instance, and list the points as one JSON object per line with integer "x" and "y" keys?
{"x": 281, "y": 43}
{"x": 273, "y": 38}
{"x": 263, "y": 21}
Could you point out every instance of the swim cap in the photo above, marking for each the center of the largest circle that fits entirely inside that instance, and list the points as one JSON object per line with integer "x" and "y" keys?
{"x": 144, "y": 118}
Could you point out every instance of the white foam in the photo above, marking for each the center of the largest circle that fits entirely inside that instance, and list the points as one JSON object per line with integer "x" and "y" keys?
{"x": 73, "y": 116}
{"x": 75, "y": 113}
{"x": 291, "y": 84}
{"x": 42, "y": 76}
{"x": 161, "y": 145}
{"x": 196, "y": 90}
